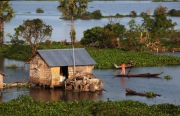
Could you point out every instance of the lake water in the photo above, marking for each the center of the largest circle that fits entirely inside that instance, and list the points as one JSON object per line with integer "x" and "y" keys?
{"x": 114, "y": 86}
{"x": 61, "y": 28}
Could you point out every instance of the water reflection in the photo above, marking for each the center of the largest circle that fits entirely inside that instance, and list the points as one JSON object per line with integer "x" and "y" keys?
{"x": 1, "y": 99}
{"x": 13, "y": 93}
{"x": 47, "y": 94}
{"x": 123, "y": 83}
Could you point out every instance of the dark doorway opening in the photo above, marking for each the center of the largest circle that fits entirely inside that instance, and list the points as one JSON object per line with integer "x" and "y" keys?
{"x": 64, "y": 71}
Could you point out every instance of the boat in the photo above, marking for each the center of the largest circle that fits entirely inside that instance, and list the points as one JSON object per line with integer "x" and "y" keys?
{"x": 119, "y": 67}
{"x": 139, "y": 75}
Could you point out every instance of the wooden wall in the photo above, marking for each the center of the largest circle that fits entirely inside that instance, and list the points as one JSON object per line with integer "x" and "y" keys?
{"x": 40, "y": 73}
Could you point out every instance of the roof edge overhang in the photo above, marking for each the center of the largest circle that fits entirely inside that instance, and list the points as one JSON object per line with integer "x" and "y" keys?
{"x": 29, "y": 60}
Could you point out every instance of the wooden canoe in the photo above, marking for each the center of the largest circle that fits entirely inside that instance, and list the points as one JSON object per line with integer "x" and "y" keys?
{"x": 139, "y": 75}
{"x": 119, "y": 67}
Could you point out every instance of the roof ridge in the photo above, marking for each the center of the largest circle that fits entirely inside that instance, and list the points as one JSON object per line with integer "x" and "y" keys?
{"x": 59, "y": 49}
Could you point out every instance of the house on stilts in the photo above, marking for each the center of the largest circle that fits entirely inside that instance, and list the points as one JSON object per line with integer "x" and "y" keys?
{"x": 68, "y": 68}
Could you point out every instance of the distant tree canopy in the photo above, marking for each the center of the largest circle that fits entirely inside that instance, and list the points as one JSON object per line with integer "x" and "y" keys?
{"x": 33, "y": 32}
{"x": 39, "y": 10}
{"x": 174, "y": 12}
{"x": 154, "y": 29}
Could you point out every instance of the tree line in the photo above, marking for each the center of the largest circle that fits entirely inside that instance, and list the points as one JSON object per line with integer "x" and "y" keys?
{"x": 155, "y": 32}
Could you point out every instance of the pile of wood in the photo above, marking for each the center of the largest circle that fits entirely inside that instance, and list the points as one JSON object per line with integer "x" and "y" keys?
{"x": 84, "y": 82}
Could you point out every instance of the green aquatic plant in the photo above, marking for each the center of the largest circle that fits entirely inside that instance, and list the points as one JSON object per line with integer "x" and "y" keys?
{"x": 7, "y": 86}
{"x": 167, "y": 77}
{"x": 27, "y": 86}
{"x": 28, "y": 106}
{"x": 19, "y": 86}
{"x": 150, "y": 94}
{"x": 12, "y": 66}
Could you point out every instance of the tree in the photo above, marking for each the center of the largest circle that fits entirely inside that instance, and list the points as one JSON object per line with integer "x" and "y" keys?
{"x": 160, "y": 10}
{"x": 174, "y": 12}
{"x": 158, "y": 25}
{"x": 96, "y": 14}
{"x": 6, "y": 14}
{"x": 71, "y": 8}
{"x": 133, "y": 13}
{"x": 133, "y": 36}
{"x": 92, "y": 37}
{"x": 34, "y": 31}
{"x": 104, "y": 37}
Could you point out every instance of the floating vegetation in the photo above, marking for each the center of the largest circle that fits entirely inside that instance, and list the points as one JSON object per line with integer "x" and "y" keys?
{"x": 17, "y": 85}
{"x": 150, "y": 94}
{"x": 12, "y": 66}
{"x": 27, "y": 86}
{"x": 167, "y": 77}
{"x": 7, "y": 86}
{"x": 27, "y": 106}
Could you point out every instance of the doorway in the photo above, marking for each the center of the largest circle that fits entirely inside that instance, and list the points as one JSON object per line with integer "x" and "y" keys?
{"x": 64, "y": 71}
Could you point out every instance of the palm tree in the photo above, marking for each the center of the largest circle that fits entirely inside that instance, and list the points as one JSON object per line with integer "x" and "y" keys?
{"x": 6, "y": 14}
{"x": 70, "y": 9}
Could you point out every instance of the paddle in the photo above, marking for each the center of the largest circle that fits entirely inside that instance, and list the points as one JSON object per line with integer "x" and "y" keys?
{"x": 129, "y": 71}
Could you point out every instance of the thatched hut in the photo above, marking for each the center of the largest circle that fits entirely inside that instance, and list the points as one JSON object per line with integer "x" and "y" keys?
{"x": 1, "y": 80}
{"x": 58, "y": 66}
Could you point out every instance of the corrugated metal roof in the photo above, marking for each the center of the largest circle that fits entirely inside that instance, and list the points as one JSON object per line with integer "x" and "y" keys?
{"x": 64, "y": 57}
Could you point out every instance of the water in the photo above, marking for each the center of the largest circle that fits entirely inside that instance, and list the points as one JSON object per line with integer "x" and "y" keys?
{"x": 168, "y": 89}
{"x": 61, "y": 28}
{"x": 114, "y": 86}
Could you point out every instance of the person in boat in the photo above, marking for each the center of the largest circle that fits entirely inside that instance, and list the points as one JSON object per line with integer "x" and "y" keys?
{"x": 123, "y": 68}
{"x": 130, "y": 63}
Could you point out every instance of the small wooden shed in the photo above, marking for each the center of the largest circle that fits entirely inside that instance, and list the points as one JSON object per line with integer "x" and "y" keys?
{"x": 1, "y": 80}
{"x": 53, "y": 67}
